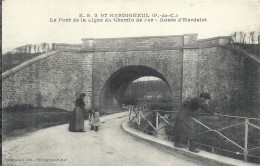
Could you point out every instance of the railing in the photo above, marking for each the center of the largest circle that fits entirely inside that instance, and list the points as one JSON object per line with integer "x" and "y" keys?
{"x": 138, "y": 114}
{"x": 246, "y": 123}
{"x": 135, "y": 112}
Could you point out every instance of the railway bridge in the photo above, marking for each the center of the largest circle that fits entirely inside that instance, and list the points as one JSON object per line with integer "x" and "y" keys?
{"x": 103, "y": 68}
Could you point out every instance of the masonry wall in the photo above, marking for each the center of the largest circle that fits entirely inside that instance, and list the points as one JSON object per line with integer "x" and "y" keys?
{"x": 166, "y": 62}
{"x": 221, "y": 72}
{"x": 55, "y": 81}
{"x": 230, "y": 77}
{"x": 252, "y": 86}
{"x": 189, "y": 72}
{"x": 162, "y": 54}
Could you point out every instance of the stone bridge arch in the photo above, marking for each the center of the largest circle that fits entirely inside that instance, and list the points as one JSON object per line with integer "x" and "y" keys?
{"x": 150, "y": 56}
{"x": 187, "y": 64}
{"x": 112, "y": 93}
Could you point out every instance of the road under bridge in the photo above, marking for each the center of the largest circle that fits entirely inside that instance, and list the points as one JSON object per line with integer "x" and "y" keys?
{"x": 110, "y": 146}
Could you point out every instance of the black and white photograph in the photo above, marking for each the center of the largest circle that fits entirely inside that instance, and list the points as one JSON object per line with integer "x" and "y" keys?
{"x": 130, "y": 83}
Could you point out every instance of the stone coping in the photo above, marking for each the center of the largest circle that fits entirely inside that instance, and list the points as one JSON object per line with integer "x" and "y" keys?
{"x": 204, "y": 157}
{"x": 135, "y": 37}
{"x": 214, "y": 38}
{"x": 163, "y": 36}
{"x": 67, "y": 44}
{"x": 29, "y": 62}
{"x": 248, "y": 55}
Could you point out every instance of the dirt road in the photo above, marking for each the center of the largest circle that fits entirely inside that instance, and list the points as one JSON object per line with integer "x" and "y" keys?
{"x": 110, "y": 146}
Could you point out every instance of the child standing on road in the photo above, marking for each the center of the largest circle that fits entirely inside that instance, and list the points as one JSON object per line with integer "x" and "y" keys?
{"x": 91, "y": 119}
{"x": 96, "y": 123}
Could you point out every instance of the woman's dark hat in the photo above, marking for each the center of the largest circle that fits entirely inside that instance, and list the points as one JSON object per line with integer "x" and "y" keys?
{"x": 205, "y": 95}
{"x": 82, "y": 94}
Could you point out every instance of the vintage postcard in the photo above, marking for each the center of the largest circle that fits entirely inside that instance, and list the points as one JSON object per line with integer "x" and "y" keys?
{"x": 146, "y": 83}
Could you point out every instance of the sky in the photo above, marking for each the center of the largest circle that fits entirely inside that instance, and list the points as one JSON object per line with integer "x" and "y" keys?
{"x": 28, "y": 21}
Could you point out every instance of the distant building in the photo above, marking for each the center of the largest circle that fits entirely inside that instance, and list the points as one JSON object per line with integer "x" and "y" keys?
{"x": 150, "y": 95}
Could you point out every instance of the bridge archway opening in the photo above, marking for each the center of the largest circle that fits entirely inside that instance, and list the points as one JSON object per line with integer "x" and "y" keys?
{"x": 112, "y": 93}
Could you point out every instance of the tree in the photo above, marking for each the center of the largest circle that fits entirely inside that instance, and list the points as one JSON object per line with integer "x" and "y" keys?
{"x": 38, "y": 48}
{"x": 53, "y": 46}
{"x": 34, "y": 47}
{"x": 252, "y": 36}
{"x": 19, "y": 49}
{"x": 44, "y": 47}
{"x": 24, "y": 48}
{"x": 234, "y": 37}
{"x": 242, "y": 36}
{"x": 258, "y": 37}
{"x": 29, "y": 48}
{"x": 48, "y": 47}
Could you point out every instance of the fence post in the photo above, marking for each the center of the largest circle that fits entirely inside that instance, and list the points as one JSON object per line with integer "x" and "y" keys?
{"x": 139, "y": 118}
{"x": 129, "y": 113}
{"x": 212, "y": 150}
{"x": 157, "y": 121}
{"x": 246, "y": 139}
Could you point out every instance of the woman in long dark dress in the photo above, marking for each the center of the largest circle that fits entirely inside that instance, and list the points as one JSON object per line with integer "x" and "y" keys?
{"x": 77, "y": 116}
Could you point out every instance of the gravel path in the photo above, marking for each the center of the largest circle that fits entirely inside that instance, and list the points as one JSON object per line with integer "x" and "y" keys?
{"x": 110, "y": 146}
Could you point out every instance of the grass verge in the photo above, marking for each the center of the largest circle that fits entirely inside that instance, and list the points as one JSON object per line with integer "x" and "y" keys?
{"x": 21, "y": 119}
